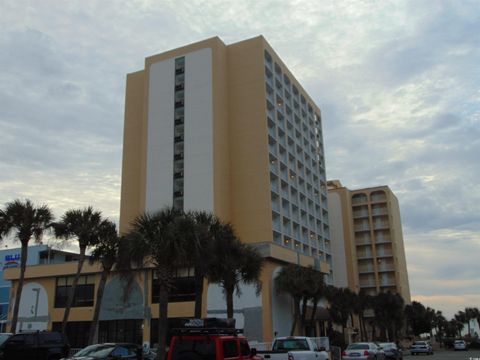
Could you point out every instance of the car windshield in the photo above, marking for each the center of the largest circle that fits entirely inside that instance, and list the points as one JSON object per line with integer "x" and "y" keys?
{"x": 357, "y": 347}
{"x": 388, "y": 345}
{"x": 290, "y": 344}
{"x": 4, "y": 337}
{"x": 95, "y": 351}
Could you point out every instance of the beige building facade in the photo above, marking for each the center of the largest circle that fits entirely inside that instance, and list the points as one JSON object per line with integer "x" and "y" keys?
{"x": 369, "y": 252}
{"x": 228, "y": 129}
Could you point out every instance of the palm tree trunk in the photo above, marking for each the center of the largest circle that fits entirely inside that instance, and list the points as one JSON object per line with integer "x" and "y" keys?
{"x": 229, "y": 298}
{"x": 23, "y": 265}
{"x": 303, "y": 314}
{"x": 162, "y": 319}
{"x": 296, "y": 315}
{"x": 71, "y": 294}
{"x": 93, "y": 335}
{"x": 198, "y": 293}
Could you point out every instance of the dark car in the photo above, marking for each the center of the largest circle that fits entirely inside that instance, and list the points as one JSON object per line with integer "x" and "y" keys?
{"x": 40, "y": 345}
{"x": 391, "y": 351}
{"x": 109, "y": 351}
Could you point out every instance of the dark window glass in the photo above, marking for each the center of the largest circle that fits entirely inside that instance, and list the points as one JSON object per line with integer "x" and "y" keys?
{"x": 244, "y": 348}
{"x": 203, "y": 348}
{"x": 50, "y": 338}
{"x": 183, "y": 289}
{"x": 230, "y": 348}
{"x": 22, "y": 339}
{"x": 121, "y": 331}
{"x": 77, "y": 332}
{"x": 84, "y": 292}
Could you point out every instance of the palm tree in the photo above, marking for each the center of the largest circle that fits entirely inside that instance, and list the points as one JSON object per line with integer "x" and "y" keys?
{"x": 234, "y": 263}
{"x": 316, "y": 290}
{"x": 106, "y": 253}
{"x": 291, "y": 280}
{"x": 205, "y": 224}
{"x": 389, "y": 310}
{"x": 85, "y": 225}
{"x": 341, "y": 306}
{"x": 159, "y": 240}
{"x": 362, "y": 303}
{"x": 470, "y": 314}
{"x": 461, "y": 317}
{"x": 23, "y": 220}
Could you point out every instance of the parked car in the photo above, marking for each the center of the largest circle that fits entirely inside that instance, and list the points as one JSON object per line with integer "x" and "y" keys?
{"x": 421, "y": 347}
{"x": 391, "y": 351}
{"x": 211, "y": 338}
{"x": 109, "y": 351}
{"x": 39, "y": 345}
{"x": 460, "y": 345}
{"x": 4, "y": 337}
{"x": 293, "y": 348}
{"x": 363, "y": 351}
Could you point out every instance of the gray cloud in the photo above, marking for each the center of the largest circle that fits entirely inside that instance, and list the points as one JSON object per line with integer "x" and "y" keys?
{"x": 397, "y": 83}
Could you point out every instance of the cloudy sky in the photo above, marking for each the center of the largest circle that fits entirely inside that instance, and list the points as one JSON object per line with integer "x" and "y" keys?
{"x": 398, "y": 83}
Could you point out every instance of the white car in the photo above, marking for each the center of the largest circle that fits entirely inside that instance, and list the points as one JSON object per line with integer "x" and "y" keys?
{"x": 421, "y": 347}
{"x": 459, "y": 345}
{"x": 363, "y": 351}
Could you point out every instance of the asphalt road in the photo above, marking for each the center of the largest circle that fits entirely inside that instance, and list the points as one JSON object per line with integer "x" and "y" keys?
{"x": 447, "y": 355}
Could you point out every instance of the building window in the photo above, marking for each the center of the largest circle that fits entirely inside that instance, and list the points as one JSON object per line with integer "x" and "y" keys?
{"x": 178, "y": 151}
{"x": 77, "y": 332}
{"x": 121, "y": 331}
{"x": 84, "y": 292}
{"x": 183, "y": 286}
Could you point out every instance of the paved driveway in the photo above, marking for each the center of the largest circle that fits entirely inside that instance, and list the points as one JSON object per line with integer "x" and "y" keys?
{"x": 447, "y": 355}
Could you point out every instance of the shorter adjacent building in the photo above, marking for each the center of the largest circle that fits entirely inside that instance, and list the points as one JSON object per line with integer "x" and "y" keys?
{"x": 10, "y": 258}
{"x": 368, "y": 248}
{"x": 129, "y": 310}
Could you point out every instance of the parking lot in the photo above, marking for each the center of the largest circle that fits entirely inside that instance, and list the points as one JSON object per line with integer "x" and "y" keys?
{"x": 447, "y": 355}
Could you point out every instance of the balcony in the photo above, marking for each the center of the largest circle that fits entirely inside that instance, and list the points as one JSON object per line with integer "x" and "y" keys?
{"x": 367, "y": 284}
{"x": 385, "y": 268}
{"x": 384, "y": 253}
{"x": 362, "y": 228}
{"x": 360, "y": 214}
{"x": 364, "y": 255}
{"x": 381, "y": 225}
{"x": 365, "y": 269}
{"x": 179, "y": 87}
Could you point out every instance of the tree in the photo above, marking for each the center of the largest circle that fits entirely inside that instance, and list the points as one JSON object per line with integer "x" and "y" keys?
{"x": 470, "y": 314}
{"x": 418, "y": 319}
{"x": 389, "y": 310}
{"x": 205, "y": 225}
{"x": 461, "y": 317}
{"x": 362, "y": 303}
{"x": 341, "y": 306}
{"x": 106, "y": 253}
{"x": 315, "y": 291}
{"x": 291, "y": 280}
{"x": 234, "y": 263}
{"x": 85, "y": 225}
{"x": 162, "y": 240}
{"x": 24, "y": 221}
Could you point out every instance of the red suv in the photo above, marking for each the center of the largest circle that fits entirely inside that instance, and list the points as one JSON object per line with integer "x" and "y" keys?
{"x": 209, "y": 343}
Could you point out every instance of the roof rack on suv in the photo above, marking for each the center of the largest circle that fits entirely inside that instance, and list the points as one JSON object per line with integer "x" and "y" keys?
{"x": 206, "y": 331}
{"x": 207, "y": 326}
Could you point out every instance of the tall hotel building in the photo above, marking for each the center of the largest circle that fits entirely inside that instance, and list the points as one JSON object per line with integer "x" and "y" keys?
{"x": 368, "y": 243}
{"x": 228, "y": 129}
